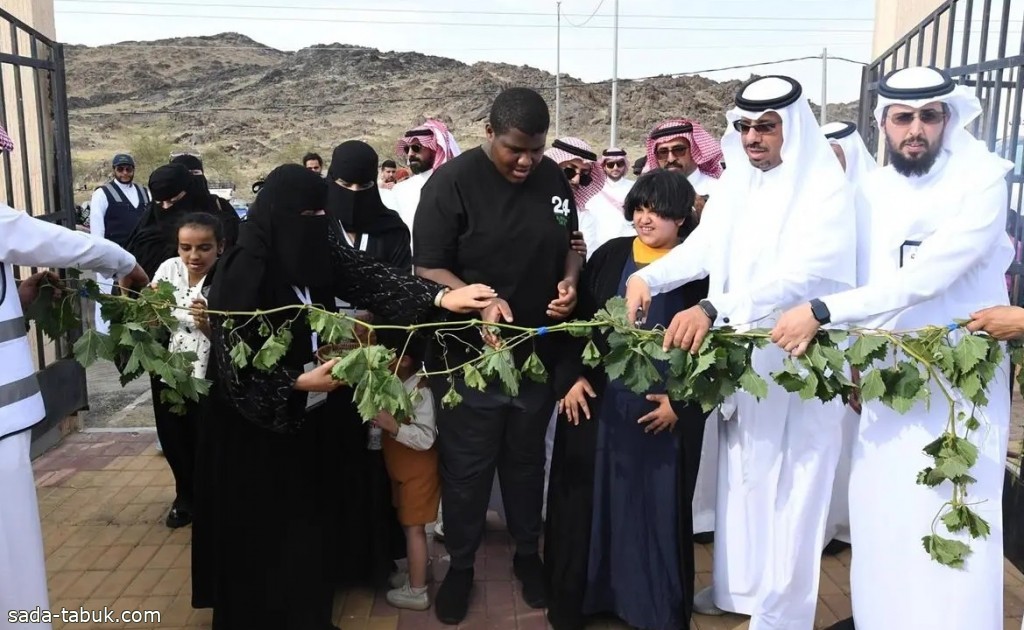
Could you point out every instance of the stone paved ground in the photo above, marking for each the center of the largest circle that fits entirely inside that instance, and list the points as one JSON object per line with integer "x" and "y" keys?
{"x": 103, "y": 496}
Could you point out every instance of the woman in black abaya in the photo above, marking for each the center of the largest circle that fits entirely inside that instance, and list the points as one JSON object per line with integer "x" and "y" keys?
{"x": 619, "y": 530}
{"x": 265, "y": 497}
{"x": 368, "y": 537}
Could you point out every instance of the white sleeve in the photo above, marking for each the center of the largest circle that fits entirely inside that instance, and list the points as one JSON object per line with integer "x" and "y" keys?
{"x": 35, "y": 243}
{"x": 821, "y": 261}
{"x": 420, "y": 433}
{"x": 165, "y": 271}
{"x": 685, "y": 263}
{"x": 954, "y": 248}
{"x": 97, "y": 214}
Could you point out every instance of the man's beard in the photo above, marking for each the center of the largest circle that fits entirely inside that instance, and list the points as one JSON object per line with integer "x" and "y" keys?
{"x": 913, "y": 167}
{"x": 418, "y": 167}
{"x": 614, "y": 178}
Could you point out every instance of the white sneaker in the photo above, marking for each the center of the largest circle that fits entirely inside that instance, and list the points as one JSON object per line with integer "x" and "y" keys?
{"x": 404, "y": 597}
{"x": 439, "y": 531}
{"x": 704, "y": 603}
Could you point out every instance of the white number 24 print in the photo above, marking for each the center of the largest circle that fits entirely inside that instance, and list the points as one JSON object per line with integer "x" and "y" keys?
{"x": 561, "y": 206}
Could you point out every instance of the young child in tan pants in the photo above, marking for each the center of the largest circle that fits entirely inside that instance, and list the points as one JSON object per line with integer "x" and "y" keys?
{"x": 411, "y": 461}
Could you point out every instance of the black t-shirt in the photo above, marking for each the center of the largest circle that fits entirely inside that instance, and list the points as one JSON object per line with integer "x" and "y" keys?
{"x": 483, "y": 228}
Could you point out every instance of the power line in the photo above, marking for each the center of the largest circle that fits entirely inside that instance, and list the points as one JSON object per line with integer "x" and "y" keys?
{"x": 434, "y": 97}
{"x": 463, "y": 24}
{"x": 464, "y": 12}
{"x": 586, "y": 21}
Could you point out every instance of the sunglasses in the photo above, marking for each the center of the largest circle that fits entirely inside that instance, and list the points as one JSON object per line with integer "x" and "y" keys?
{"x": 571, "y": 172}
{"x": 678, "y": 151}
{"x": 413, "y": 148}
{"x": 616, "y": 164}
{"x": 926, "y": 116}
{"x": 762, "y": 128}
{"x": 124, "y": 169}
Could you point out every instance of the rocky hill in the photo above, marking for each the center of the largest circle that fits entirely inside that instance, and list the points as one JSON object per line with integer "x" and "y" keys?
{"x": 246, "y": 107}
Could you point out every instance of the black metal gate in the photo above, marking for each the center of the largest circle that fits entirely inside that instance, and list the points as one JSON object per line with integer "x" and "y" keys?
{"x": 37, "y": 178}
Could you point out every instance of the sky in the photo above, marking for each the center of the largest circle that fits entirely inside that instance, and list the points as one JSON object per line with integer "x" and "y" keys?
{"x": 682, "y": 36}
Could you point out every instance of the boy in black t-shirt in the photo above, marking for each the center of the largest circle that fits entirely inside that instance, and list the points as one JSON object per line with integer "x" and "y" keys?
{"x": 501, "y": 214}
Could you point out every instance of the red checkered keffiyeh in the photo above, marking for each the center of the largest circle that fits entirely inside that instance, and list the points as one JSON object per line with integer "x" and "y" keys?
{"x": 706, "y": 151}
{"x": 6, "y": 144}
{"x": 434, "y": 135}
{"x": 613, "y": 154}
{"x": 568, "y": 149}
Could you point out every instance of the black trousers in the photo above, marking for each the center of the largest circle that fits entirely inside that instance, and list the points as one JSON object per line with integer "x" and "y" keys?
{"x": 489, "y": 431}
{"x": 177, "y": 435}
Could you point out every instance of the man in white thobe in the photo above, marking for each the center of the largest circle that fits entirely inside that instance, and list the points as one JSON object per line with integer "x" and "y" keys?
{"x": 857, "y": 161}
{"x": 936, "y": 251}
{"x": 426, "y": 148}
{"x": 29, "y": 242}
{"x": 606, "y": 205}
{"x": 775, "y": 232}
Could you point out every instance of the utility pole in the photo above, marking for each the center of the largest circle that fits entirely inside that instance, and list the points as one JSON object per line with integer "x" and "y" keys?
{"x": 615, "y": 78}
{"x": 558, "y": 68}
{"x": 824, "y": 85}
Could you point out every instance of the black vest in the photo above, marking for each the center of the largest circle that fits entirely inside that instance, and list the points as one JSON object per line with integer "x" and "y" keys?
{"x": 121, "y": 216}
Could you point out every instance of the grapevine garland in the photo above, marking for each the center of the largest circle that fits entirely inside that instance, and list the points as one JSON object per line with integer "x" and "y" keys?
{"x": 898, "y": 369}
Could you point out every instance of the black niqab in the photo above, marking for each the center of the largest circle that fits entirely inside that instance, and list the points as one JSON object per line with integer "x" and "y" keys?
{"x": 359, "y": 211}
{"x": 278, "y": 247}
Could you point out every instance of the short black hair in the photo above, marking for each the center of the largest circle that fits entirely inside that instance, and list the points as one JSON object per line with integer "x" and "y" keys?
{"x": 206, "y": 220}
{"x": 388, "y": 164}
{"x": 666, "y": 193}
{"x": 638, "y": 166}
{"x": 520, "y": 108}
{"x": 313, "y": 156}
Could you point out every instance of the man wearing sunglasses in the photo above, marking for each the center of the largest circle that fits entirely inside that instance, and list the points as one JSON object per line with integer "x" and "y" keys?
{"x": 425, "y": 148}
{"x": 683, "y": 145}
{"x": 935, "y": 251}
{"x": 777, "y": 232}
{"x": 607, "y": 204}
{"x": 114, "y": 211}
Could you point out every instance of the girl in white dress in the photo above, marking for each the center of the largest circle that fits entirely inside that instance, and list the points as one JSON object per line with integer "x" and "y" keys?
{"x": 200, "y": 242}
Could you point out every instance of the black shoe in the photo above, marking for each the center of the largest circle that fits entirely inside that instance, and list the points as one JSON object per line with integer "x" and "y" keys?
{"x": 178, "y": 517}
{"x": 835, "y": 547}
{"x": 704, "y": 538}
{"x": 845, "y": 624}
{"x": 452, "y": 600}
{"x": 530, "y": 572}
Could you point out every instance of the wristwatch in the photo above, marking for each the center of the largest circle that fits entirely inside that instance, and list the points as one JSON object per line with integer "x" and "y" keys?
{"x": 820, "y": 311}
{"x": 709, "y": 310}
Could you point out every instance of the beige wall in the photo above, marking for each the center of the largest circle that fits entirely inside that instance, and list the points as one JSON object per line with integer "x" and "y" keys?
{"x": 894, "y": 18}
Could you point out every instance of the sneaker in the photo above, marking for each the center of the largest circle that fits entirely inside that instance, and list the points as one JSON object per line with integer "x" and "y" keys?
{"x": 452, "y": 600}
{"x": 400, "y": 577}
{"x": 439, "y": 531}
{"x": 704, "y": 603}
{"x": 530, "y": 571}
{"x": 406, "y": 597}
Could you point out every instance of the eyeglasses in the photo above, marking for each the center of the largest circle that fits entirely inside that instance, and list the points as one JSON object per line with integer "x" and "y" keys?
{"x": 762, "y": 128}
{"x": 413, "y": 148}
{"x": 124, "y": 168}
{"x": 926, "y": 116}
{"x": 616, "y": 164}
{"x": 678, "y": 151}
{"x": 571, "y": 172}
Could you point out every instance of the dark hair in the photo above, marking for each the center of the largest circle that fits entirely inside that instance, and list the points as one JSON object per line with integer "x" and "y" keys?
{"x": 416, "y": 348}
{"x": 388, "y": 164}
{"x": 638, "y": 166}
{"x": 204, "y": 220}
{"x": 520, "y": 108}
{"x": 667, "y": 194}
{"x": 313, "y": 156}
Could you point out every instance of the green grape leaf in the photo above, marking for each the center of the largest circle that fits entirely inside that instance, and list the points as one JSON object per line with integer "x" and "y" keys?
{"x": 534, "y": 370}
{"x": 591, "y": 355}
{"x": 872, "y": 387}
{"x": 866, "y": 350}
{"x": 970, "y": 351}
{"x": 91, "y": 346}
{"x": 451, "y": 399}
{"x": 753, "y": 384}
{"x": 329, "y": 327}
{"x": 272, "y": 351}
{"x": 473, "y": 377}
{"x": 240, "y": 354}
{"x": 951, "y": 553}
{"x": 499, "y": 363}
